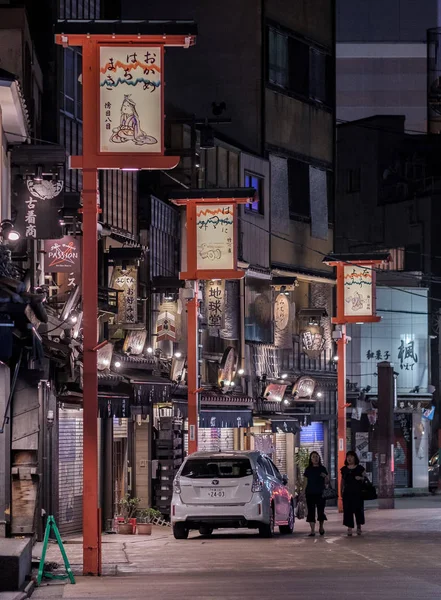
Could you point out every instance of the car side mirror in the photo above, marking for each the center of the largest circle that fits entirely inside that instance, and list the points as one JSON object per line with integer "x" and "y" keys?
{"x": 284, "y": 479}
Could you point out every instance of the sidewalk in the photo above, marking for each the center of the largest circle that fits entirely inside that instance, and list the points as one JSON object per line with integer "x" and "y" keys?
{"x": 398, "y": 542}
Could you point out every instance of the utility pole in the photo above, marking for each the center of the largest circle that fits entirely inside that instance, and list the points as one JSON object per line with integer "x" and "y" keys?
{"x": 386, "y": 435}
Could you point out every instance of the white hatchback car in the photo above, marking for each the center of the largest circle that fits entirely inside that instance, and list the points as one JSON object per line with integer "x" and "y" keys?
{"x": 230, "y": 489}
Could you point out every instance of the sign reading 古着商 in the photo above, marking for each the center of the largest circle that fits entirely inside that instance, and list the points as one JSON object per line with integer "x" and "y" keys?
{"x": 215, "y": 236}
{"x": 358, "y": 286}
{"x": 131, "y": 118}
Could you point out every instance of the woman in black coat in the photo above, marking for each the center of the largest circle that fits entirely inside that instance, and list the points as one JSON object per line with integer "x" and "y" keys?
{"x": 352, "y": 477}
{"x": 316, "y": 476}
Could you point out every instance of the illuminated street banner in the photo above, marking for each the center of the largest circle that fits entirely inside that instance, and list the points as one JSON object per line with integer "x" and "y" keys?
{"x": 215, "y": 236}
{"x": 131, "y": 115}
{"x": 358, "y": 290}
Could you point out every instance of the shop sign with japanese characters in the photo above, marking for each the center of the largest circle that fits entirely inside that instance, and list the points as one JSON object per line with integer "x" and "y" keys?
{"x": 131, "y": 107}
{"x": 37, "y": 206}
{"x": 63, "y": 255}
{"x": 401, "y": 338}
{"x": 125, "y": 281}
{"x": 215, "y": 236}
{"x": 304, "y": 388}
{"x": 274, "y": 392}
{"x": 313, "y": 340}
{"x": 215, "y": 305}
{"x": 358, "y": 290}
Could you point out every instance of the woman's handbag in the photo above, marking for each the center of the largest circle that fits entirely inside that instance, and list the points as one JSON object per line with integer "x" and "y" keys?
{"x": 300, "y": 507}
{"x": 329, "y": 493}
{"x": 368, "y": 491}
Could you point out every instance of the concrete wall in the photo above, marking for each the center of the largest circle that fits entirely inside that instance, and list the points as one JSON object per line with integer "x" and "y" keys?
{"x": 255, "y": 228}
{"x": 390, "y": 21}
{"x": 310, "y": 19}
{"x": 299, "y": 127}
{"x": 382, "y": 79}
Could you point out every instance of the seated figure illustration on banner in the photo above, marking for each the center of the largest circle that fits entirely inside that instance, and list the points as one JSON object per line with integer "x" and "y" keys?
{"x": 129, "y": 128}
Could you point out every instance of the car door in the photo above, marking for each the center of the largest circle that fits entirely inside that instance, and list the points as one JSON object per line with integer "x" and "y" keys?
{"x": 275, "y": 489}
{"x": 282, "y": 493}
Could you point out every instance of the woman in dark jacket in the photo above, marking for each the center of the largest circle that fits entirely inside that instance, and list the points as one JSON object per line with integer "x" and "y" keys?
{"x": 352, "y": 477}
{"x": 316, "y": 477}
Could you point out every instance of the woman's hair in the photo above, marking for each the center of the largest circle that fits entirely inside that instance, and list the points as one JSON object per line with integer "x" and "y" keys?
{"x": 310, "y": 459}
{"x": 352, "y": 453}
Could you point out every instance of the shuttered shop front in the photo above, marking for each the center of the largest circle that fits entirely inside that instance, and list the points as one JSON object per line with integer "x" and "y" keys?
{"x": 70, "y": 471}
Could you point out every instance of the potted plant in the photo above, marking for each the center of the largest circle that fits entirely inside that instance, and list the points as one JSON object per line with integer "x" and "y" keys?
{"x": 144, "y": 520}
{"x": 127, "y": 507}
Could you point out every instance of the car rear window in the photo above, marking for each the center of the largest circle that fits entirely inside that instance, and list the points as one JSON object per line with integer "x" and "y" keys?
{"x": 199, "y": 468}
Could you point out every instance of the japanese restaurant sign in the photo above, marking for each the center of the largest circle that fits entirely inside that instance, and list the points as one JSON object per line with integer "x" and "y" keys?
{"x": 63, "y": 255}
{"x": 358, "y": 289}
{"x": 215, "y": 236}
{"x": 131, "y": 100}
{"x": 126, "y": 282}
{"x": 37, "y": 205}
{"x": 215, "y": 305}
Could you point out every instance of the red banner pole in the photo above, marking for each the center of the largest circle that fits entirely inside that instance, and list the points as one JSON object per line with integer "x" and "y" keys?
{"x": 91, "y": 523}
{"x": 193, "y": 370}
{"x": 341, "y": 409}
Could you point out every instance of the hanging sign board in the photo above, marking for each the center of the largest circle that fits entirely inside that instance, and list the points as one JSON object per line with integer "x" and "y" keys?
{"x": 126, "y": 282}
{"x": 37, "y": 205}
{"x": 304, "y": 388}
{"x": 131, "y": 115}
{"x": 135, "y": 342}
{"x": 274, "y": 392}
{"x": 63, "y": 255}
{"x": 358, "y": 291}
{"x": 215, "y": 305}
{"x": 313, "y": 340}
{"x": 215, "y": 236}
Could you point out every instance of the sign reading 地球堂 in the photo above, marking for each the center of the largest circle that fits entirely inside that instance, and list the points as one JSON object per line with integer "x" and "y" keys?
{"x": 358, "y": 289}
{"x": 131, "y": 115}
{"x": 215, "y": 236}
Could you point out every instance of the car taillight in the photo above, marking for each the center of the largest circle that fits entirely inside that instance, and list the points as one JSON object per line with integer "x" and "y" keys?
{"x": 257, "y": 484}
{"x": 177, "y": 485}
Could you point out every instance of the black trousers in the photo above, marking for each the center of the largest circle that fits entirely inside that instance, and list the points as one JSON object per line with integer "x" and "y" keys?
{"x": 314, "y": 501}
{"x": 353, "y": 505}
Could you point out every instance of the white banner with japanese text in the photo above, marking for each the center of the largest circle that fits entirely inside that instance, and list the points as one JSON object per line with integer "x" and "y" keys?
{"x": 215, "y": 236}
{"x": 131, "y": 116}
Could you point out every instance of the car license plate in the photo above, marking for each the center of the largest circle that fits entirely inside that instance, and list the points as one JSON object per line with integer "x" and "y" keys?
{"x": 216, "y": 493}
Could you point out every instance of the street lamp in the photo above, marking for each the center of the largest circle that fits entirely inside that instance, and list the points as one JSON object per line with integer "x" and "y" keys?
{"x": 8, "y": 232}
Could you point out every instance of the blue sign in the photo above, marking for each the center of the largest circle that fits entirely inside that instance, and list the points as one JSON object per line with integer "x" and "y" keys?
{"x": 312, "y": 434}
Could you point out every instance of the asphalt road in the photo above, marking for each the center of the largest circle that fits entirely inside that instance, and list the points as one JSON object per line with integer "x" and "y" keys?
{"x": 397, "y": 558}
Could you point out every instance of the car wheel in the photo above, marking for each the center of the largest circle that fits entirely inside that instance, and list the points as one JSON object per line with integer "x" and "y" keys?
{"x": 266, "y": 530}
{"x": 205, "y": 530}
{"x": 180, "y": 531}
{"x": 288, "y": 529}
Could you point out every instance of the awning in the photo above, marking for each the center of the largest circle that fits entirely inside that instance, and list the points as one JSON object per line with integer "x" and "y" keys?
{"x": 285, "y": 426}
{"x": 225, "y": 418}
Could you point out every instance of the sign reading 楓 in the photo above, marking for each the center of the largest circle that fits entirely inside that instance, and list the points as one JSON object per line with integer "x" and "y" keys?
{"x": 215, "y": 236}
{"x": 358, "y": 286}
{"x": 215, "y": 305}
{"x": 126, "y": 282}
{"x": 131, "y": 82}
{"x": 37, "y": 205}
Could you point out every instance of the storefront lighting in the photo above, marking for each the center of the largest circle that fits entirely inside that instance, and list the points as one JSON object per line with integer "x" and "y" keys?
{"x": 106, "y": 362}
{"x": 8, "y": 232}
{"x": 286, "y": 401}
{"x": 73, "y": 319}
{"x": 117, "y": 364}
{"x": 284, "y": 375}
{"x": 38, "y": 177}
{"x": 319, "y": 394}
{"x": 178, "y": 354}
{"x": 149, "y": 350}
{"x": 241, "y": 372}
{"x": 335, "y": 359}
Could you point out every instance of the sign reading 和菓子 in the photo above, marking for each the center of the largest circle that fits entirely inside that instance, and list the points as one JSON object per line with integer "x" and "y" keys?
{"x": 131, "y": 99}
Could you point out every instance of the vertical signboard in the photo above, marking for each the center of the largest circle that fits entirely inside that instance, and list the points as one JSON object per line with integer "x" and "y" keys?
{"x": 215, "y": 305}
{"x": 126, "y": 282}
{"x": 37, "y": 205}
{"x": 131, "y": 99}
{"x": 358, "y": 286}
{"x": 215, "y": 237}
